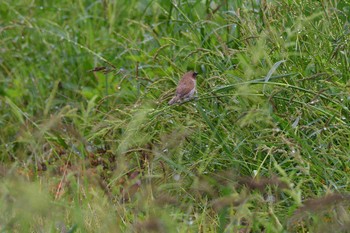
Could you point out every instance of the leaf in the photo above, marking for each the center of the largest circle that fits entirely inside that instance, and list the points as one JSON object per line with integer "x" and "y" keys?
{"x": 15, "y": 109}
{"x": 273, "y": 69}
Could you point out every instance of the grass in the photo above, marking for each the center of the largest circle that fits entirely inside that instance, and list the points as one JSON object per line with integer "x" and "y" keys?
{"x": 89, "y": 144}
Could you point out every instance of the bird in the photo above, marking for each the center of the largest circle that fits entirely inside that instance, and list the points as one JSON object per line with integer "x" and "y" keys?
{"x": 185, "y": 89}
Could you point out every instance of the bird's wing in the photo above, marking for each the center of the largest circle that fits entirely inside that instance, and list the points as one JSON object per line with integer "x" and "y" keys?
{"x": 184, "y": 87}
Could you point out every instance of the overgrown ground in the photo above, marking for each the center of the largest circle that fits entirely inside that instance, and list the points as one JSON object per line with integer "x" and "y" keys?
{"x": 89, "y": 144}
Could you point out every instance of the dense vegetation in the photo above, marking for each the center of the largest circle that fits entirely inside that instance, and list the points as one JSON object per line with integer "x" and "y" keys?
{"x": 89, "y": 143}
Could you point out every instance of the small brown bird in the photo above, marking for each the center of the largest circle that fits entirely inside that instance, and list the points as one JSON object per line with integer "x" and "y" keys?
{"x": 185, "y": 89}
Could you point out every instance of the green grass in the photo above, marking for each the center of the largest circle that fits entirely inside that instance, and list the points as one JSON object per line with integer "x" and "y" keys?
{"x": 263, "y": 148}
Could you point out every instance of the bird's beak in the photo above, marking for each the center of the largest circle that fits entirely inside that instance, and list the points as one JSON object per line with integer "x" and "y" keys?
{"x": 195, "y": 74}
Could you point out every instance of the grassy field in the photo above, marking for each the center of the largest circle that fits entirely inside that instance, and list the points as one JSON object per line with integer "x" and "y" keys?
{"x": 88, "y": 142}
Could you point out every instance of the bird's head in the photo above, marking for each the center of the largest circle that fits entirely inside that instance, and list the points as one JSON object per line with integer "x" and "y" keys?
{"x": 194, "y": 74}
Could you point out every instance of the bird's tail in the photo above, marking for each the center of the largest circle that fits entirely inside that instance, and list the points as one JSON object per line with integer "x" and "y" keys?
{"x": 174, "y": 100}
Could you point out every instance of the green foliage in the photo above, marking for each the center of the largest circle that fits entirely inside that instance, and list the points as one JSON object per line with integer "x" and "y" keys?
{"x": 89, "y": 144}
